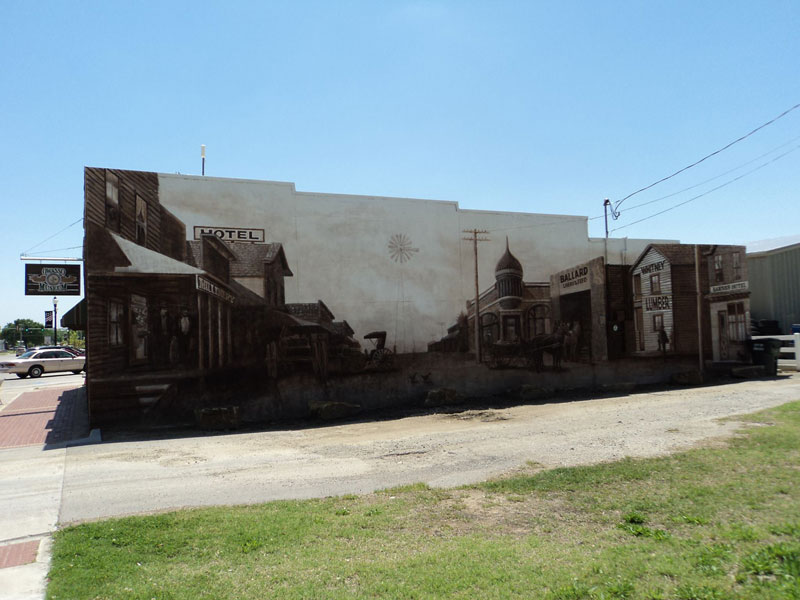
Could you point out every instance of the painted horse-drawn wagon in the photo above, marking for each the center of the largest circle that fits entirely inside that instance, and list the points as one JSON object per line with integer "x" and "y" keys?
{"x": 525, "y": 354}
{"x": 529, "y": 354}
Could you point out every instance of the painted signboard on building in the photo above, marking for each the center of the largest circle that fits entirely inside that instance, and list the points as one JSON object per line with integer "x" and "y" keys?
{"x": 727, "y": 288}
{"x": 230, "y": 234}
{"x": 573, "y": 280}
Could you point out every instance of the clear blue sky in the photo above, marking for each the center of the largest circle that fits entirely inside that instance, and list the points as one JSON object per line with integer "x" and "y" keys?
{"x": 543, "y": 107}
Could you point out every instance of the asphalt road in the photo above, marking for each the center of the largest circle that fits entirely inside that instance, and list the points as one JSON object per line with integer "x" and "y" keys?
{"x": 12, "y": 385}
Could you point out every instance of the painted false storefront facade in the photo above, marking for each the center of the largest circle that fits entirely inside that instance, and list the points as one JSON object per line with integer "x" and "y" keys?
{"x": 665, "y": 286}
{"x": 729, "y": 302}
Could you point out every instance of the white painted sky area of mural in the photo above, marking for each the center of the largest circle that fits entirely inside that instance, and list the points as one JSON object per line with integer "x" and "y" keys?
{"x": 394, "y": 264}
{"x": 517, "y": 106}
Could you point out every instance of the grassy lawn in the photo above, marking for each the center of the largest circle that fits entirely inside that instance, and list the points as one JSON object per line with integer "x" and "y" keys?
{"x": 710, "y": 523}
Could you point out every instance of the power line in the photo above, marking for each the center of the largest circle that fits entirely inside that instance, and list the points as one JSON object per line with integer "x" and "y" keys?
{"x": 60, "y": 249}
{"x": 52, "y": 236}
{"x": 729, "y": 171}
{"x": 568, "y": 219}
{"x": 751, "y": 171}
{"x": 694, "y": 164}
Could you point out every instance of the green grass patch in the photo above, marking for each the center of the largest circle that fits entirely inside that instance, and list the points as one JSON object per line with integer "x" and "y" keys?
{"x": 711, "y": 523}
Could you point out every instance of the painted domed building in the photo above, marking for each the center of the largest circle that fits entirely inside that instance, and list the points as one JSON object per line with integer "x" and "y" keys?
{"x": 511, "y": 310}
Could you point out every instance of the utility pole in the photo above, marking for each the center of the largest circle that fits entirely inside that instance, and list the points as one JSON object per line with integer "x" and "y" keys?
{"x": 475, "y": 239}
{"x": 614, "y": 215}
{"x": 606, "y": 204}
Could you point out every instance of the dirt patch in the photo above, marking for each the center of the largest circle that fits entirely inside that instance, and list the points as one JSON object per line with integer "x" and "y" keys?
{"x": 485, "y": 416}
{"x": 442, "y": 450}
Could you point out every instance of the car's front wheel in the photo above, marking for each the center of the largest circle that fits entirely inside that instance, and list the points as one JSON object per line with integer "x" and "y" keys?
{"x": 35, "y": 371}
{"x": 22, "y": 375}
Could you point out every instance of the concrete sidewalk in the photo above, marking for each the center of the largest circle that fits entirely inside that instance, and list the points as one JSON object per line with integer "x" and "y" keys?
{"x": 35, "y": 429}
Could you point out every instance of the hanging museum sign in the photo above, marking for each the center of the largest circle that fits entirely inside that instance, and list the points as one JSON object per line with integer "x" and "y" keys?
{"x": 230, "y": 234}
{"x": 52, "y": 280}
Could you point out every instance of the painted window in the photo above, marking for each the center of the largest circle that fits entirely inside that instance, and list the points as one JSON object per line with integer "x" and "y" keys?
{"x": 658, "y": 321}
{"x": 737, "y": 329}
{"x": 511, "y": 328}
{"x": 112, "y": 201}
{"x": 490, "y": 328}
{"x": 737, "y": 266}
{"x": 139, "y": 328}
{"x": 655, "y": 283}
{"x": 214, "y": 261}
{"x": 115, "y": 321}
{"x": 718, "y": 273}
{"x": 538, "y": 320}
{"x": 637, "y": 286}
{"x": 141, "y": 220}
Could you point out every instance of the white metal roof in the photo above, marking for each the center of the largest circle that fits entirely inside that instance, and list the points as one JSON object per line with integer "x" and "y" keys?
{"x": 773, "y": 244}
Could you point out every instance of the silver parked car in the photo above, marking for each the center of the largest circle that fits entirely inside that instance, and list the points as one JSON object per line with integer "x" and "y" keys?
{"x": 36, "y": 362}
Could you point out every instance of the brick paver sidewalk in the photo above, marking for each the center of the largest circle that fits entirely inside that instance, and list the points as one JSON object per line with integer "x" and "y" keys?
{"x": 39, "y": 417}
{"x": 14, "y": 555}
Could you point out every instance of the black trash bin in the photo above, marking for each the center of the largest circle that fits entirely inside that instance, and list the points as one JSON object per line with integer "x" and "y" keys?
{"x": 765, "y": 352}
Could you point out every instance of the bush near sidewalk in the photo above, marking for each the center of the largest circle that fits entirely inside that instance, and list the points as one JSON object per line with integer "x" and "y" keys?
{"x": 710, "y": 523}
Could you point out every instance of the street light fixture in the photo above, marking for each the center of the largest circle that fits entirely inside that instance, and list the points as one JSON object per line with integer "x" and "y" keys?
{"x": 55, "y": 320}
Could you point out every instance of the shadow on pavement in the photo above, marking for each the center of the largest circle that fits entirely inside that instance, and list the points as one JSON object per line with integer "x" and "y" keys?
{"x": 70, "y": 421}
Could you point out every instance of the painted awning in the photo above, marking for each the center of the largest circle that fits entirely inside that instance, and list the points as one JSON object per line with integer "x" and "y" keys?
{"x": 75, "y": 317}
{"x": 145, "y": 261}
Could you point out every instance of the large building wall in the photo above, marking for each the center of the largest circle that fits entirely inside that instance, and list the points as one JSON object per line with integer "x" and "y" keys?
{"x": 394, "y": 264}
{"x": 775, "y": 286}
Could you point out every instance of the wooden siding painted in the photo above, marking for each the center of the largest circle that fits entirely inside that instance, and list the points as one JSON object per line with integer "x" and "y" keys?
{"x": 94, "y": 193}
{"x": 680, "y": 323}
{"x": 654, "y": 257}
{"x": 727, "y": 253}
{"x": 650, "y": 334}
{"x": 131, "y": 183}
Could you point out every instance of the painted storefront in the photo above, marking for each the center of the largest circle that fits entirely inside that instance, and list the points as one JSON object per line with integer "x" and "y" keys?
{"x": 665, "y": 293}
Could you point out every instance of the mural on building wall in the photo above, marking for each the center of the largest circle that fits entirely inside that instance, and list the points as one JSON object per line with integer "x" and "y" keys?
{"x": 194, "y": 305}
{"x": 527, "y": 325}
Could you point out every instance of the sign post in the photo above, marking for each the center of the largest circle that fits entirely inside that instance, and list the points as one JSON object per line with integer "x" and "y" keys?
{"x": 55, "y": 319}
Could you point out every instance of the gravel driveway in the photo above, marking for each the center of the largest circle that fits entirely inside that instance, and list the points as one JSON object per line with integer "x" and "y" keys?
{"x": 443, "y": 449}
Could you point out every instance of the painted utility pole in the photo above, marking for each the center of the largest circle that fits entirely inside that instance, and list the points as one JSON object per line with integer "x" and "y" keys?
{"x": 475, "y": 239}
{"x": 699, "y": 307}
